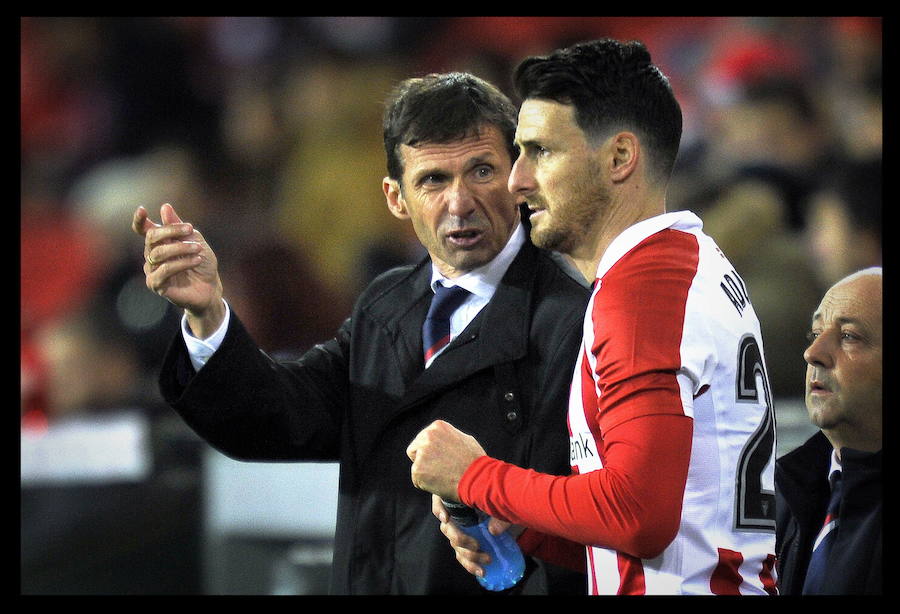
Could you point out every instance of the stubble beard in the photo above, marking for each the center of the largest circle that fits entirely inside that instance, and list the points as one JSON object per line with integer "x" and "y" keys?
{"x": 566, "y": 228}
{"x": 547, "y": 236}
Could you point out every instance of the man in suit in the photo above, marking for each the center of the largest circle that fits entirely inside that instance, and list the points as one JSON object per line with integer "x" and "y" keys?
{"x": 829, "y": 490}
{"x": 361, "y": 397}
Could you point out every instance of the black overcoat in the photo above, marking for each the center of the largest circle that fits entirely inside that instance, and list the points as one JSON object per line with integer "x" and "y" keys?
{"x": 802, "y": 492}
{"x": 361, "y": 397}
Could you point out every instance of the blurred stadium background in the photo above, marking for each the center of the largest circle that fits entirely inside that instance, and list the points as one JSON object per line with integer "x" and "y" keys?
{"x": 265, "y": 133}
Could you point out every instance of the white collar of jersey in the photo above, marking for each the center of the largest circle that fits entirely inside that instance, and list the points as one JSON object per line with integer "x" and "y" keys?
{"x": 483, "y": 281}
{"x": 634, "y": 234}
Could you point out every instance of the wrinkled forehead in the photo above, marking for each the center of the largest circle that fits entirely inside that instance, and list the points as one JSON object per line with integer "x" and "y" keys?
{"x": 485, "y": 145}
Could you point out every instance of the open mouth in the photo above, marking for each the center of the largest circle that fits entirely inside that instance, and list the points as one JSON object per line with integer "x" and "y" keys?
{"x": 465, "y": 237}
{"x": 535, "y": 211}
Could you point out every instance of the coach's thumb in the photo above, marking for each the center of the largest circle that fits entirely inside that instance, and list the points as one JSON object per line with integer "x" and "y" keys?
{"x": 168, "y": 215}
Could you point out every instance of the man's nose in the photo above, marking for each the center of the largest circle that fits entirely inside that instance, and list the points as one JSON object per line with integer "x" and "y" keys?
{"x": 460, "y": 200}
{"x": 820, "y": 351}
{"x": 521, "y": 178}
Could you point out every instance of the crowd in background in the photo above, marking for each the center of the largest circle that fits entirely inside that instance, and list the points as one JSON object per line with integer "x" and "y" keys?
{"x": 265, "y": 133}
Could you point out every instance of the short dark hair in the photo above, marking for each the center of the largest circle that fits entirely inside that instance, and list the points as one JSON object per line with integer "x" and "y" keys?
{"x": 440, "y": 108}
{"x": 612, "y": 85}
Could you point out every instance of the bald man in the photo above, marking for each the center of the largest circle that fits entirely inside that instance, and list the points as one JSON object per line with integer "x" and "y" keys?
{"x": 836, "y": 549}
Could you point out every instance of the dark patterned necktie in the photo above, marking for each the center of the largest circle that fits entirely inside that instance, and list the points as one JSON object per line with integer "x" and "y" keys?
{"x": 436, "y": 328}
{"x": 815, "y": 573}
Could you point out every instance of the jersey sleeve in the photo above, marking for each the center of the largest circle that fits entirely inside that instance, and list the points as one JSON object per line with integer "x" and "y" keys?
{"x": 632, "y": 505}
{"x": 638, "y": 325}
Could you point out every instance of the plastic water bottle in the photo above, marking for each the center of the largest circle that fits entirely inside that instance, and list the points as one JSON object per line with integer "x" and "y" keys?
{"x": 507, "y": 564}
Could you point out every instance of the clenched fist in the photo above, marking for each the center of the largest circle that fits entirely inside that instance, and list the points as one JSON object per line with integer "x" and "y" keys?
{"x": 440, "y": 454}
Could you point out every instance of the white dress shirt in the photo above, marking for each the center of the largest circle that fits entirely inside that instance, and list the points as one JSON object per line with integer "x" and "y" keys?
{"x": 481, "y": 284}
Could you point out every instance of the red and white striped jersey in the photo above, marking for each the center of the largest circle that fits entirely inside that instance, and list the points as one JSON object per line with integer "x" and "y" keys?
{"x": 671, "y": 426}
{"x": 725, "y": 541}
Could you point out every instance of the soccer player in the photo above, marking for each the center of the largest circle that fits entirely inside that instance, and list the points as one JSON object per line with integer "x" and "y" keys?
{"x": 671, "y": 424}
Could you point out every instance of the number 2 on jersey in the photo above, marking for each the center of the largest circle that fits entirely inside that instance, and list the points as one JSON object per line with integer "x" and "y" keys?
{"x": 754, "y": 504}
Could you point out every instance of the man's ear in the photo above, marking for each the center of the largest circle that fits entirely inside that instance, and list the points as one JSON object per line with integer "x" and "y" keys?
{"x": 625, "y": 149}
{"x": 395, "y": 201}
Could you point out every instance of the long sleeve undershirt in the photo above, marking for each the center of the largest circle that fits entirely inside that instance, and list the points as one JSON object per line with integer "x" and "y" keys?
{"x": 632, "y": 505}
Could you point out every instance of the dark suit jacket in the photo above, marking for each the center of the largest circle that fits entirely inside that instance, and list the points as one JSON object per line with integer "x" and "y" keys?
{"x": 361, "y": 397}
{"x": 802, "y": 493}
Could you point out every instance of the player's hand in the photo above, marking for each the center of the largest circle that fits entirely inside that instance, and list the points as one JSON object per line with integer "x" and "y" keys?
{"x": 440, "y": 454}
{"x": 180, "y": 266}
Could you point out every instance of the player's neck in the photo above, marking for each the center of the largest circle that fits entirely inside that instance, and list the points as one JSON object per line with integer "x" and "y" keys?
{"x": 620, "y": 215}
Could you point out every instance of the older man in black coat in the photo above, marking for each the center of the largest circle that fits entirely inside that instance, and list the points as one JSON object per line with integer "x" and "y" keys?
{"x": 361, "y": 397}
{"x": 837, "y": 549}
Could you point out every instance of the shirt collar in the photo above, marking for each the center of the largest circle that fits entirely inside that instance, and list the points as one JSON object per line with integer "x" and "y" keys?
{"x": 483, "y": 281}
{"x": 835, "y": 463}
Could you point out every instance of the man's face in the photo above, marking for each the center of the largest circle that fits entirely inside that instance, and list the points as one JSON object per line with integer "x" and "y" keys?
{"x": 843, "y": 374}
{"x": 455, "y": 195}
{"x": 559, "y": 174}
